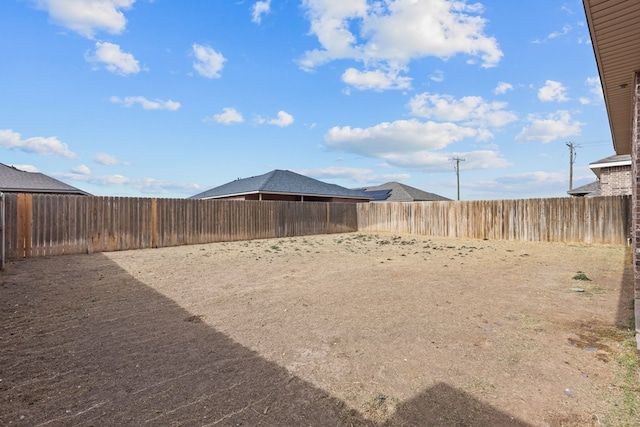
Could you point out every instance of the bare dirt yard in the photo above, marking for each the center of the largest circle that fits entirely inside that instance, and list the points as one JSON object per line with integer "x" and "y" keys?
{"x": 337, "y": 330}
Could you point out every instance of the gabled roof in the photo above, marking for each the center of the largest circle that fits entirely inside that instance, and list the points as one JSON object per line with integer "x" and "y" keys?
{"x": 589, "y": 190}
{"x": 13, "y": 180}
{"x": 397, "y": 192}
{"x": 280, "y": 182}
{"x": 610, "y": 162}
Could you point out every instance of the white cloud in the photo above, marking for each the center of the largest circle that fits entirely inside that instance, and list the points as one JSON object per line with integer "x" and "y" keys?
{"x": 595, "y": 87}
{"x": 470, "y": 110}
{"x": 26, "y": 168}
{"x": 82, "y": 170}
{"x": 401, "y": 136}
{"x": 440, "y": 161}
{"x": 533, "y": 178}
{"x": 437, "y": 76}
{"x": 566, "y": 29}
{"x": 107, "y": 159}
{"x": 227, "y": 117}
{"x": 86, "y": 17}
{"x": 377, "y": 79}
{"x": 208, "y": 63}
{"x": 550, "y": 128}
{"x": 144, "y": 185}
{"x": 37, "y": 145}
{"x": 146, "y": 104}
{"x": 358, "y": 175}
{"x": 114, "y": 59}
{"x": 392, "y": 34}
{"x": 284, "y": 119}
{"x": 552, "y": 91}
{"x": 260, "y": 8}
{"x": 529, "y": 184}
{"x": 502, "y": 88}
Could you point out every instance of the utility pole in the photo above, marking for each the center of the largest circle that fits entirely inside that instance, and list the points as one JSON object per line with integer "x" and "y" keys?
{"x": 457, "y": 167}
{"x": 572, "y": 159}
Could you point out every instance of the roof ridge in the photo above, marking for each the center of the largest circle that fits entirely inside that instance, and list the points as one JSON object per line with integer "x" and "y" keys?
{"x": 270, "y": 175}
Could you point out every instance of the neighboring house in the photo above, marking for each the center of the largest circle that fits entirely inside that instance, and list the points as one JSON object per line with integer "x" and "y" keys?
{"x": 397, "y": 192}
{"x": 614, "y": 26}
{"x": 614, "y": 178}
{"x": 13, "y": 180}
{"x": 614, "y": 173}
{"x": 283, "y": 185}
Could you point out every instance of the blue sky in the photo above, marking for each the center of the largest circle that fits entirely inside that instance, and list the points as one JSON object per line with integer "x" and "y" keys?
{"x": 167, "y": 99}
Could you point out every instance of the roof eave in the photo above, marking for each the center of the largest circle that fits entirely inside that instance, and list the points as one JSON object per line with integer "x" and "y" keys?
{"x": 44, "y": 191}
{"x": 282, "y": 193}
{"x": 618, "y": 23}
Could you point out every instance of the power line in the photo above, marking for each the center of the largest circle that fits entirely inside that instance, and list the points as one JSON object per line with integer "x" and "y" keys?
{"x": 596, "y": 143}
{"x": 457, "y": 168}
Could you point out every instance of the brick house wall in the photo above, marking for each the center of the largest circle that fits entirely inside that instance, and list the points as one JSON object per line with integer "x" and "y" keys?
{"x": 635, "y": 207}
{"x": 615, "y": 181}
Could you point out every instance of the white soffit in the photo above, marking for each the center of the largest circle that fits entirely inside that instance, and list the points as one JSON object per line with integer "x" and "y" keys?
{"x": 615, "y": 33}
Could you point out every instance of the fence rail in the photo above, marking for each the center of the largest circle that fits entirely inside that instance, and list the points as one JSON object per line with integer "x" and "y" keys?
{"x": 604, "y": 220}
{"x": 41, "y": 225}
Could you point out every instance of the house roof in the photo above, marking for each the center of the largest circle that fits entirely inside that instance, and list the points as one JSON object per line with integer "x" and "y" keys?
{"x": 589, "y": 190}
{"x": 14, "y": 180}
{"x": 614, "y": 26}
{"x": 610, "y": 162}
{"x": 280, "y": 182}
{"x": 397, "y": 192}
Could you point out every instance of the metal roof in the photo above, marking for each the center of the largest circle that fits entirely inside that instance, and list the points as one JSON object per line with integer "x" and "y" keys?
{"x": 13, "y": 180}
{"x": 615, "y": 31}
{"x": 280, "y": 182}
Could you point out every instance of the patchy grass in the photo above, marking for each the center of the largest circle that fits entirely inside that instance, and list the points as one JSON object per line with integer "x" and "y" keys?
{"x": 581, "y": 276}
{"x": 629, "y": 413}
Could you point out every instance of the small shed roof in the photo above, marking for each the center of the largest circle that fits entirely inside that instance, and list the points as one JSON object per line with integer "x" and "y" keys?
{"x": 280, "y": 182}
{"x": 398, "y": 192}
{"x": 13, "y": 180}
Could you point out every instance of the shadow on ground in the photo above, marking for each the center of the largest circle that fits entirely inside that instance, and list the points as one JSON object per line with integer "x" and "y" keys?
{"x": 626, "y": 318}
{"x": 84, "y": 343}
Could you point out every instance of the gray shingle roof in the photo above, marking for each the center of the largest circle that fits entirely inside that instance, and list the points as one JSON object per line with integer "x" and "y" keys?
{"x": 616, "y": 158}
{"x": 14, "y": 180}
{"x": 609, "y": 162}
{"x": 404, "y": 193}
{"x": 280, "y": 182}
{"x": 589, "y": 190}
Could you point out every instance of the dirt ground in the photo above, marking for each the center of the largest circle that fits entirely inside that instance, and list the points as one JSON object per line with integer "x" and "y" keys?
{"x": 346, "y": 329}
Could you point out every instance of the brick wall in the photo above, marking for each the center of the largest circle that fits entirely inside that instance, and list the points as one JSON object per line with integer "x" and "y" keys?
{"x": 615, "y": 181}
{"x": 635, "y": 187}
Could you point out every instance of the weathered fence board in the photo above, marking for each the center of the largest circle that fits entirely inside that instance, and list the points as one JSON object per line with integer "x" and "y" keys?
{"x": 603, "y": 220}
{"x": 43, "y": 225}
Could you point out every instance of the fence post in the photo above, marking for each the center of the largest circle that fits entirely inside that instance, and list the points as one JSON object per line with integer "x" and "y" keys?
{"x": 25, "y": 220}
{"x": 328, "y": 218}
{"x": 154, "y": 223}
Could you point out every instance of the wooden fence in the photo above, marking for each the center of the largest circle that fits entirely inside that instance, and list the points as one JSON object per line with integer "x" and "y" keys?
{"x": 40, "y": 225}
{"x": 603, "y": 220}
